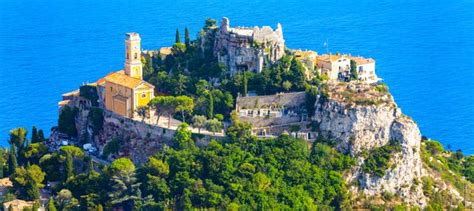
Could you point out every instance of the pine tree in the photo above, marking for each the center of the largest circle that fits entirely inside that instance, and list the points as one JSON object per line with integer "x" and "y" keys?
{"x": 187, "y": 40}
{"x": 210, "y": 109}
{"x": 178, "y": 38}
{"x": 40, "y": 135}
{"x": 12, "y": 162}
{"x": 34, "y": 135}
{"x": 51, "y": 206}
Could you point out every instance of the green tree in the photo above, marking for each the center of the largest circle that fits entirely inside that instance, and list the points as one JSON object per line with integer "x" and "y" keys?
{"x": 163, "y": 105}
{"x": 41, "y": 135}
{"x": 246, "y": 81}
{"x": 286, "y": 85}
{"x": 213, "y": 125}
{"x": 125, "y": 188}
{"x": 210, "y": 108}
{"x": 69, "y": 166}
{"x": 183, "y": 137}
{"x": 209, "y": 24}
{"x": 34, "y": 135}
{"x": 18, "y": 137}
{"x": 12, "y": 161}
{"x": 354, "y": 75}
{"x": 199, "y": 122}
{"x": 51, "y": 206}
{"x": 27, "y": 182}
{"x": 66, "y": 121}
{"x": 187, "y": 40}
{"x": 178, "y": 38}
{"x": 184, "y": 104}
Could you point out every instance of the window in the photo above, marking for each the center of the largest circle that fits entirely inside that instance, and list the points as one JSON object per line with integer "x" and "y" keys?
{"x": 110, "y": 88}
{"x": 143, "y": 94}
{"x": 136, "y": 56}
{"x": 127, "y": 56}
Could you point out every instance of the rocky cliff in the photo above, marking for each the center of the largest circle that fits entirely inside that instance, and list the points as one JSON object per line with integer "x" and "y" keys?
{"x": 361, "y": 118}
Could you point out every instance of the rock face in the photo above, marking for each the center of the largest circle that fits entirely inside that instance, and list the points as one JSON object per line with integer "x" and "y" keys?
{"x": 247, "y": 48}
{"x": 361, "y": 128}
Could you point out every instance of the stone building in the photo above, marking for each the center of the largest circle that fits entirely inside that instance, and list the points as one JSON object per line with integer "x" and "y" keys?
{"x": 333, "y": 65}
{"x": 272, "y": 115}
{"x": 125, "y": 90}
{"x": 247, "y": 48}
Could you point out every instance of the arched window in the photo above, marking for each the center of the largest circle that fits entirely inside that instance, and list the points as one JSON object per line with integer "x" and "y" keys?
{"x": 136, "y": 55}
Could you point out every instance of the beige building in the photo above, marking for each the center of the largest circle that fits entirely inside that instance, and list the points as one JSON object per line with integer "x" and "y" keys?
{"x": 332, "y": 65}
{"x": 123, "y": 91}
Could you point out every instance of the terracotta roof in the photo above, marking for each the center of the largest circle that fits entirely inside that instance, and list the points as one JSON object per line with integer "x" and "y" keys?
{"x": 292, "y": 99}
{"x": 121, "y": 79}
{"x": 164, "y": 51}
{"x": 304, "y": 54}
{"x": 362, "y": 60}
{"x": 101, "y": 81}
{"x": 327, "y": 57}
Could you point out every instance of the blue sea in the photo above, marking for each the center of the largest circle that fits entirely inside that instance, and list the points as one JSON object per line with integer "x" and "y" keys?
{"x": 424, "y": 49}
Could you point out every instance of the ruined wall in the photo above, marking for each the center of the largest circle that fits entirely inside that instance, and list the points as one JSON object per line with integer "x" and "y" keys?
{"x": 248, "y": 48}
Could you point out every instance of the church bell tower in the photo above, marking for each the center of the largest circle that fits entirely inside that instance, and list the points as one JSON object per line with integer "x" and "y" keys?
{"x": 133, "y": 62}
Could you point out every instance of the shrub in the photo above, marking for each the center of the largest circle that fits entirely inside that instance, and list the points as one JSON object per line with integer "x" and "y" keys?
{"x": 378, "y": 160}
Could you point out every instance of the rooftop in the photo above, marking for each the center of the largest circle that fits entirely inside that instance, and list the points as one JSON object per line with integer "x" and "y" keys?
{"x": 120, "y": 78}
{"x": 362, "y": 60}
{"x": 132, "y": 36}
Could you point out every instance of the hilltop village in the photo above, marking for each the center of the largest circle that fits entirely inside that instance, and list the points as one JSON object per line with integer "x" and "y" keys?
{"x": 234, "y": 120}
{"x": 241, "y": 53}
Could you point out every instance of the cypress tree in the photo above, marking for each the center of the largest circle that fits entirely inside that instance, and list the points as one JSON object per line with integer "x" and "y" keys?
{"x": 178, "y": 38}
{"x": 12, "y": 162}
{"x": 354, "y": 75}
{"x": 187, "y": 40}
{"x": 69, "y": 166}
{"x": 40, "y": 135}
{"x": 34, "y": 135}
{"x": 210, "y": 111}
{"x": 245, "y": 83}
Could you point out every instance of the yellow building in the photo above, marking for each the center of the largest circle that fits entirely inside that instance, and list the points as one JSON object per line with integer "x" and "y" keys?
{"x": 123, "y": 91}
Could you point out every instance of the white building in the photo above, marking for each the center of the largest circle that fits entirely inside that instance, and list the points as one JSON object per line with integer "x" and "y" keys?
{"x": 366, "y": 69}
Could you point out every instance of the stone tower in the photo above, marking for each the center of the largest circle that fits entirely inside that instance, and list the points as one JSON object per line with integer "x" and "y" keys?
{"x": 133, "y": 62}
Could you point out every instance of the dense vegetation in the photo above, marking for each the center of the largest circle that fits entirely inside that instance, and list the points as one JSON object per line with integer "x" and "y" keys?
{"x": 451, "y": 167}
{"x": 241, "y": 172}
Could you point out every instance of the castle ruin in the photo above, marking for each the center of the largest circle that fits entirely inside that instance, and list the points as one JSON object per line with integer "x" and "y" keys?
{"x": 247, "y": 48}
